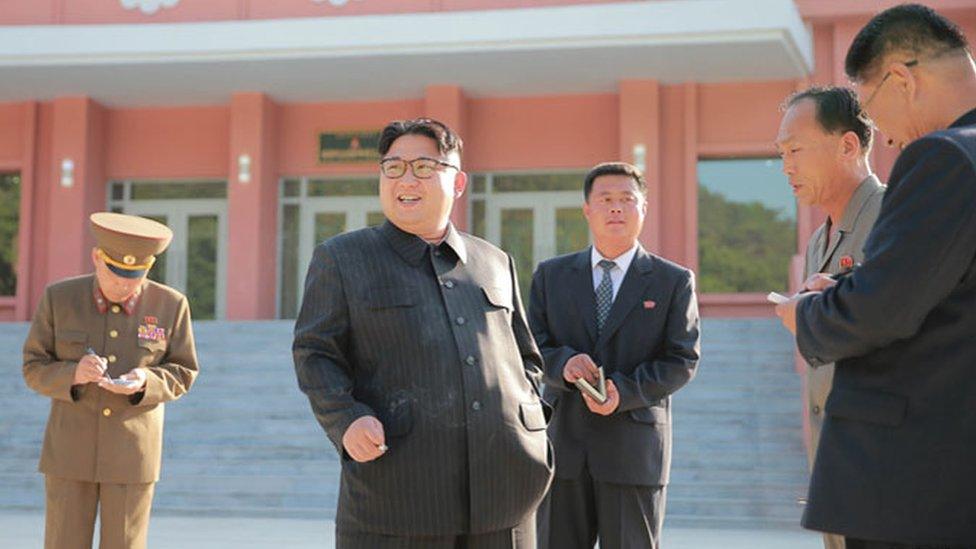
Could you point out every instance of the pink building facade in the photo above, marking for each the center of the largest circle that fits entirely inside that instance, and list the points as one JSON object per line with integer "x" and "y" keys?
{"x": 245, "y": 124}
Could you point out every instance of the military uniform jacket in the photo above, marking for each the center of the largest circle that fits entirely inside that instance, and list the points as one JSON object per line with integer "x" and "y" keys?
{"x": 432, "y": 341}
{"x": 93, "y": 435}
{"x": 649, "y": 347}
{"x": 896, "y": 454}
{"x": 835, "y": 256}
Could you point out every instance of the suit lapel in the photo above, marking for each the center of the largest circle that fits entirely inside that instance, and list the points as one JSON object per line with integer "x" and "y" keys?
{"x": 830, "y": 250}
{"x": 582, "y": 293}
{"x": 631, "y": 290}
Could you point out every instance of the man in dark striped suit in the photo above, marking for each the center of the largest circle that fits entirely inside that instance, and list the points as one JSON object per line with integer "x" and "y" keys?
{"x": 413, "y": 350}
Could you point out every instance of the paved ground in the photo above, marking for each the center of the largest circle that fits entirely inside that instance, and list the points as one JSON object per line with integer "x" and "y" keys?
{"x": 25, "y": 531}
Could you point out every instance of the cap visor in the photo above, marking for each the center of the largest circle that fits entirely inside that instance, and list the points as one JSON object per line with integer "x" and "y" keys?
{"x": 126, "y": 273}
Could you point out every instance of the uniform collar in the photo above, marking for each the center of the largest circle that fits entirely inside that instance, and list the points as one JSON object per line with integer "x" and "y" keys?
{"x": 862, "y": 193}
{"x": 102, "y": 303}
{"x": 412, "y": 248}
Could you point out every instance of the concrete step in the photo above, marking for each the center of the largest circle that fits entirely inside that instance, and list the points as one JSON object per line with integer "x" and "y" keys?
{"x": 244, "y": 443}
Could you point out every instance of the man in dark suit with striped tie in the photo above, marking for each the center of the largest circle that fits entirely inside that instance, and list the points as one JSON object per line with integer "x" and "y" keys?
{"x": 635, "y": 315}
{"x": 413, "y": 350}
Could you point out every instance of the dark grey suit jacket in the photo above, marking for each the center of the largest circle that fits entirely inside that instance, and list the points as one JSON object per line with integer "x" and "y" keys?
{"x": 649, "y": 347}
{"x": 897, "y": 456}
{"x": 433, "y": 342}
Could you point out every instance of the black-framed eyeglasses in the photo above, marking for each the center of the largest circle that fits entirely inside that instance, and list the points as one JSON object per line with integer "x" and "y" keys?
{"x": 422, "y": 167}
{"x": 884, "y": 78}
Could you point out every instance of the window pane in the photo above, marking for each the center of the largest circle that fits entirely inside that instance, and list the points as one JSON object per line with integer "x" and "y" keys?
{"x": 572, "y": 232}
{"x": 171, "y": 190}
{"x": 328, "y": 225}
{"x": 291, "y": 187}
{"x": 201, "y": 269}
{"x": 478, "y": 183}
{"x": 538, "y": 182}
{"x": 288, "y": 305}
{"x": 478, "y": 218}
{"x": 375, "y": 218}
{"x": 118, "y": 190}
{"x": 517, "y": 241}
{"x": 158, "y": 270}
{"x": 9, "y": 229}
{"x": 746, "y": 225}
{"x": 343, "y": 187}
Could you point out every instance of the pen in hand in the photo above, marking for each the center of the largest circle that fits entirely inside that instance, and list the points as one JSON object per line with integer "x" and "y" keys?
{"x": 90, "y": 351}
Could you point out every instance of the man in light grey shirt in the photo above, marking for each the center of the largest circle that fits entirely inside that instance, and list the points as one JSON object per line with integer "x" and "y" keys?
{"x": 824, "y": 140}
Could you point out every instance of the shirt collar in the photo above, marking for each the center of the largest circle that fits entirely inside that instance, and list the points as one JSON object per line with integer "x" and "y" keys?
{"x": 623, "y": 260}
{"x": 412, "y": 248}
{"x": 862, "y": 193}
{"x": 102, "y": 303}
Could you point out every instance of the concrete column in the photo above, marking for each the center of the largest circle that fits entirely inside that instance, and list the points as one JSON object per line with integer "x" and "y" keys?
{"x": 639, "y": 130}
{"x": 78, "y": 137}
{"x": 252, "y": 208}
{"x": 447, "y": 104}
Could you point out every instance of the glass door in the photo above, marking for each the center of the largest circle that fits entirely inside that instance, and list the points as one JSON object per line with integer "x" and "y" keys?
{"x": 196, "y": 261}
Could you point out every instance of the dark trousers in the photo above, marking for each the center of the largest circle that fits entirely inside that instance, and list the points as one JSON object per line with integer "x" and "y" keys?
{"x": 853, "y": 543}
{"x": 522, "y": 536}
{"x": 577, "y": 512}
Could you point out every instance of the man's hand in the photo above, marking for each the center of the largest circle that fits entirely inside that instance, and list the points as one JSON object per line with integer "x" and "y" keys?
{"x": 136, "y": 382}
{"x": 90, "y": 369}
{"x": 608, "y": 407}
{"x": 818, "y": 282}
{"x": 364, "y": 439}
{"x": 786, "y": 311}
{"x": 581, "y": 366}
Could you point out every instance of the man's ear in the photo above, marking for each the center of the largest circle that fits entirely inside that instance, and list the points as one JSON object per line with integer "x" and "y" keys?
{"x": 94, "y": 257}
{"x": 460, "y": 183}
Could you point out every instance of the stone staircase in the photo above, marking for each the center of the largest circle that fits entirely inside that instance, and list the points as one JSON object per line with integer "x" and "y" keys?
{"x": 243, "y": 442}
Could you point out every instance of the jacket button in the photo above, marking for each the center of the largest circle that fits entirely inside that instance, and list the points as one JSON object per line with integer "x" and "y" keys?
{"x": 116, "y": 308}
{"x": 476, "y": 405}
{"x": 111, "y": 358}
{"x": 816, "y": 409}
{"x": 107, "y": 412}
{"x": 460, "y": 320}
{"x": 470, "y": 361}
{"x": 113, "y": 334}
{"x": 449, "y": 284}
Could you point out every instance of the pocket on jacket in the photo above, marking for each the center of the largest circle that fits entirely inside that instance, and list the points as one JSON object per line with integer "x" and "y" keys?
{"x": 70, "y": 344}
{"x": 651, "y": 415}
{"x": 868, "y": 406}
{"x": 387, "y": 298}
{"x": 532, "y": 416}
{"x": 71, "y": 337}
{"x": 152, "y": 345}
{"x": 397, "y": 419}
{"x": 498, "y": 297}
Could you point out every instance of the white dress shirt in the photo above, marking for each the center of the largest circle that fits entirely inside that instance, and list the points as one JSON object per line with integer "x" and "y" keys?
{"x": 617, "y": 273}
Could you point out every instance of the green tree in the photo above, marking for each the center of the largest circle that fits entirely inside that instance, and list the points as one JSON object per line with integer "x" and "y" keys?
{"x": 742, "y": 246}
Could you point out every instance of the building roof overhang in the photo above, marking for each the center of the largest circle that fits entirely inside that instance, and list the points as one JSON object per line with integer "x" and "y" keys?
{"x": 511, "y": 52}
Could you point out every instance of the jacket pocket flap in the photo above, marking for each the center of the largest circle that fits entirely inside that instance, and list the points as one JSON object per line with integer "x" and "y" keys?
{"x": 532, "y": 415}
{"x": 152, "y": 344}
{"x": 498, "y": 297}
{"x": 73, "y": 336}
{"x": 397, "y": 419}
{"x": 383, "y": 298}
{"x": 869, "y": 406}
{"x": 650, "y": 415}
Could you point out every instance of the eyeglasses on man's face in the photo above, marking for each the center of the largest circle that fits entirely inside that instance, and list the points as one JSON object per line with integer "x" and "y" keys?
{"x": 422, "y": 167}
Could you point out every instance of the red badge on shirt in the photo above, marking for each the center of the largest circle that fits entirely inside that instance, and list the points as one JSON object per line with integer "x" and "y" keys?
{"x": 649, "y": 304}
{"x": 846, "y": 262}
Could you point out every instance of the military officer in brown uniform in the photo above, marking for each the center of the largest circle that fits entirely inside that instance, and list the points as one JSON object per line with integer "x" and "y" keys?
{"x": 109, "y": 349}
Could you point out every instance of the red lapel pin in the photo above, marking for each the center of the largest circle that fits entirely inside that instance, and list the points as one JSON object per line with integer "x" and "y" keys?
{"x": 649, "y": 304}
